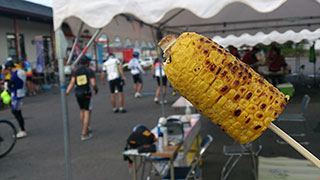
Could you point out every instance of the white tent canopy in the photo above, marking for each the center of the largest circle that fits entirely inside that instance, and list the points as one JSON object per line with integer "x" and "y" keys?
{"x": 140, "y": 20}
{"x": 260, "y": 37}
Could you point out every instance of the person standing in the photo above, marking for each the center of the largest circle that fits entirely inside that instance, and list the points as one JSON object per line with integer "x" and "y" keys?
{"x": 157, "y": 73}
{"x": 136, "y": 70}
{"x": 82, "y": 77}
{"x": 250, "y": 58}
{"x": 276, "y": 63}
{"x": 29, "y": 73}
{"x": 116, "y": 79}
{"x": 6, "y": 72}
{"x": 276, "y": 60}
{"x": 16, "y": 86}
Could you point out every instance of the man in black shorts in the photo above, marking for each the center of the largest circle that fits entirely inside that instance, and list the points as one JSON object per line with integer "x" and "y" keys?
{"x": 136, "y": 70}
{"x": 82, "y": 78}
{"x": 116, "y": 78}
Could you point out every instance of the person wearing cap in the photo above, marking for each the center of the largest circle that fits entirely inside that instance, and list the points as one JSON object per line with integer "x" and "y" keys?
{"x": 112, "y": 67}
{"x": 16, "y": 87}
{"x": 82, "y": 77}
{"x": 136, "y": 70}
{"x": 6, "y": 72}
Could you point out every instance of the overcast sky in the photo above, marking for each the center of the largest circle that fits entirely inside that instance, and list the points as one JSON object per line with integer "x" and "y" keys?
{"x": 42, "y": 2}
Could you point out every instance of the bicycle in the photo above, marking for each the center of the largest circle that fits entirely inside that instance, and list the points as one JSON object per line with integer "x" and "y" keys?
{"x": 7, "y": 137}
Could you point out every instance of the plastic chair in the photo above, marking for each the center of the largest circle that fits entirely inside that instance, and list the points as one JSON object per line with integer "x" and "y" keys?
{"x": 296, "y": 118}
{"x": 193, "y": 170}
{"x": 236, "y": 151}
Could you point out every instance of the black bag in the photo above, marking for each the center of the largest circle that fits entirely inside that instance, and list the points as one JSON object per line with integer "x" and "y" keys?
{"x": 142, "y": 139}
{"x": 146, "y": 148}
{"x": 140, "y": 136}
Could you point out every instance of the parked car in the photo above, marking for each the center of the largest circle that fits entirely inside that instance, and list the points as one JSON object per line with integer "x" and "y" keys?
{"x": 146, "y": 61}
{"x": 125, "y": 66}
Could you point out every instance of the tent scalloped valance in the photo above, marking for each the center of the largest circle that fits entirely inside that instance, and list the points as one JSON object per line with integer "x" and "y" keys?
{"x": 97, "y": 13}
{"x": 274, "y": 36}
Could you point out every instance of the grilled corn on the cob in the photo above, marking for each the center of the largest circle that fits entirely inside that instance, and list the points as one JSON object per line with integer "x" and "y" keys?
{"x": 222, "y": 87}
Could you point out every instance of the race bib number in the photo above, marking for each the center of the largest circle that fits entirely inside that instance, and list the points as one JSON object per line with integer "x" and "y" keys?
{"x": 82, "y": 80}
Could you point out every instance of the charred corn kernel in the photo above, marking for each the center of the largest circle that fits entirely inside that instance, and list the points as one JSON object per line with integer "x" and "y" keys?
{"x": 248, "y": 120}
{"x": 222, "y": 87}
{"x": 242, "y": 90}
{"x": 242, "y": 116}
{"x": 231, "y": 94}
{"x": 251, "y": 108}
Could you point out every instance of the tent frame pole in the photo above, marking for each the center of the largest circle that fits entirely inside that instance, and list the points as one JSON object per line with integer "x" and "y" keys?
{"x": 159, "y": 52}
{"x": 64, "y": 106}
{"x": 314, "y": 74}
{"x": 75, "y": 43}
{"x": 297, "y": 58}
{"x": 161, "y": 90}
{"x": 86, "y": 47}
{"x": 314, "y": 69}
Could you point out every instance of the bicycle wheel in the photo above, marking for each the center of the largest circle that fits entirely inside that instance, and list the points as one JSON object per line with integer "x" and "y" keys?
{"x": 7, "y": 137}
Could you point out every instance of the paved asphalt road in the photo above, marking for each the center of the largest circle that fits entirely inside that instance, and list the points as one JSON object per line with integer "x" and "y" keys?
{"x": 40, "y": 156}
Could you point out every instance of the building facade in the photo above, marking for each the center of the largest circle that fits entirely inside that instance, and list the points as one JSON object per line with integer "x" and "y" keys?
{"x": 31, "y": 23}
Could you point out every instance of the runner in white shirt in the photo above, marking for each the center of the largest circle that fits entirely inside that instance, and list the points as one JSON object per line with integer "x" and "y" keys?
{"x": 157, "y": 73}
{"x": 112, "y": 67}
{"x": 136, "y": 70}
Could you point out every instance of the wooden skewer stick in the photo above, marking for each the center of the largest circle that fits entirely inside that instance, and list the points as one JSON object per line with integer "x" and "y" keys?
{"x": 303, "y": 151}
